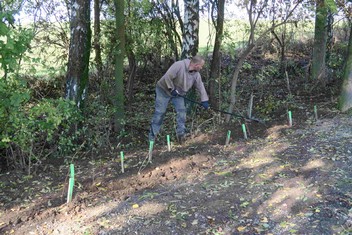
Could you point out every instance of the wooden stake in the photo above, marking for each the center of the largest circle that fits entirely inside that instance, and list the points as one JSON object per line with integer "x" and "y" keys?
{"x": 288, "y": 83}
{"x": 250, "y": 106}
{"x": 315, "y": 113}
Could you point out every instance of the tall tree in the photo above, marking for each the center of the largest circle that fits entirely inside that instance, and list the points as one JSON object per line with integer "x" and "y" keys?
{"x": 79, "y": 51}
{"x": 190, "y": 32}
{"x": 219, "y": 6}
{"x": 119, "y": 58}
{"x": 96, "y": 43}
{"x": 345, "y": 99}
{"x": 320, "y": 36}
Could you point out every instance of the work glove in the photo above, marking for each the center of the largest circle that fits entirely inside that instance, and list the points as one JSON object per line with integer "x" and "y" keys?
{"x": 174, "y": 93}
{"x": 205, "y": 104}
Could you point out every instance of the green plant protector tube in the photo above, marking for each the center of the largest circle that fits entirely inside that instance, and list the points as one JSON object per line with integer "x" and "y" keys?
{"x": 315, "y": 113}
{"x": 122, "y": 162}
{"x": 151, "y": 144}
{"x": 228, "y": 137}
{"x": 71, "y": 183}
{"x": 72, "y": 175}
{"x": 244, "y": 131}
{"x": 289, "y": 118}
{"x": 168, "y": 143}
{"x": 70, "y": 190}
{"x": 72, "y": 170}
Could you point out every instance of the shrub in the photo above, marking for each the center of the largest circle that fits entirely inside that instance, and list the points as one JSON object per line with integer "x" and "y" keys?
{"x": 30, "y": 132}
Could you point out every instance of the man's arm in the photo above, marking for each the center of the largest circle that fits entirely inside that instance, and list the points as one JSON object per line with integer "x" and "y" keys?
{"x": 201, "y": 89}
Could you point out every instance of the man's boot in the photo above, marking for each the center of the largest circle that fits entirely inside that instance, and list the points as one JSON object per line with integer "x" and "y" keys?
{"x": 181, "y": 139}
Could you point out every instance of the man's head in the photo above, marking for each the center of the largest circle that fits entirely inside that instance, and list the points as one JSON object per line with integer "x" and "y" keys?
{"x": 197, "y": 63}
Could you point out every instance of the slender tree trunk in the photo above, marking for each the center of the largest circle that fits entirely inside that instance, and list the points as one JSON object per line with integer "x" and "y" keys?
{"x": 119, "y": 59}
{"x": 168, "y": 14}
{"x": 79, "y": 52}
{"x": 282, "y": 43}
{"x": 235, "y": 79}
{"x": 319, "y": 48}
{"x": 191, "y": 29}
{"x": 97, "y": 47}
{"x": 345, "y": 99}
{"x": 131, "y": 78}
{"x": 216, "y": 59}
{"x": 132, "y": 64}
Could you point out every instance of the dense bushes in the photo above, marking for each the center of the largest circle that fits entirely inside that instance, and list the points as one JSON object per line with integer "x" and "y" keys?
{"x": 30, "y": 131}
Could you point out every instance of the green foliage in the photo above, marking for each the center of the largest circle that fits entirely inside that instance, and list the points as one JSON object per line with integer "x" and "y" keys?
{"x": 13, "y": 44}
{"x": 97, "y": 128}
{"x": 331, "y": 5}
{"x": 27, "y": 127}
{"x": 28, "y": 131}
{"x": 264, "y": 78}
{"x": 246, "y": 66}
{"x": 54, "y": 117}
{"x": 146, "y": 37}
{"x": 236, "y": 33}
{"x": 268, "y": 73}
{"x": 269, "y": 105}
{"x": 337, "y": 56}
{"x": 13, "y": 94}
{"x": 49, "y": 48}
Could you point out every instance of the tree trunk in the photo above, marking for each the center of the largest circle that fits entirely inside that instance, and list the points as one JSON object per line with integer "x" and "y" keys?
{"x": 97, "y": 47}
{"x": 345, "y": 99}
{"x": 119, "y": 58}
{"x": 319, "y": 47}
{"x": 131, "y": 78}
{"x": 238, "y": 67}
{"x": 216, "y": 59}
{"x": 191, "y": 29}
{"x": 79, "y": 52}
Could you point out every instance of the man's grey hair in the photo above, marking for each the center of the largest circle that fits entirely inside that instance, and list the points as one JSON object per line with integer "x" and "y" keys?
{"x": 197, "y": 59}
